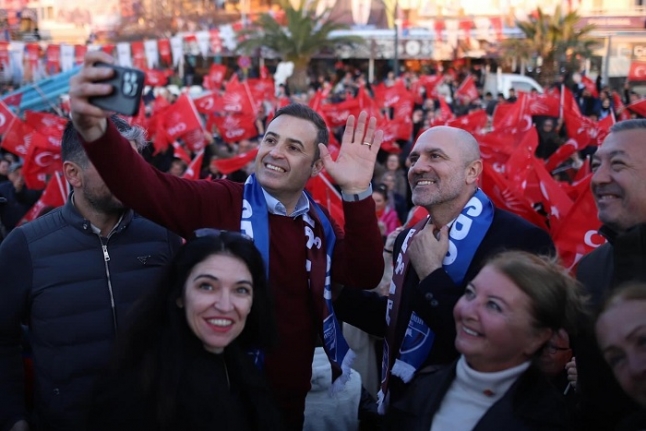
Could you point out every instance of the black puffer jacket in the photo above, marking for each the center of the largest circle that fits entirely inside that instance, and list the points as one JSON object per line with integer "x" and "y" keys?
{"x": 73, "y": 289}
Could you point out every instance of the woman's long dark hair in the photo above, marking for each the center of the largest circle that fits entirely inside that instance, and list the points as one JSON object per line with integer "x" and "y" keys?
{"x": 160, "y": 350}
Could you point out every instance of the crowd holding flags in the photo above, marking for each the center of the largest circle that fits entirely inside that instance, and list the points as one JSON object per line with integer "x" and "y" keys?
{"x": 513, "y": 177}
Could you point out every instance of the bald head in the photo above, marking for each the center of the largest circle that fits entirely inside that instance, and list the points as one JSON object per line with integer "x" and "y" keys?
{"x": 464, "y": 142}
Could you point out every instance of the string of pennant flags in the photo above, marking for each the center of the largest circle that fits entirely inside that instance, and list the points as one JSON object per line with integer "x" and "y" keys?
{"x": 40, "y": 59}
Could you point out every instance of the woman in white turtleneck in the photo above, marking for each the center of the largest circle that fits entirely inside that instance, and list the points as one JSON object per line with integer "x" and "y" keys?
{"x": 505, "y": 317}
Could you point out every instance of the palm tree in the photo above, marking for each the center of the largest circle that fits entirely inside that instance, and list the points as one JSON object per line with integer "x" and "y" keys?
{"x": 555, "y": 40}
{"x": 305, "y": 35}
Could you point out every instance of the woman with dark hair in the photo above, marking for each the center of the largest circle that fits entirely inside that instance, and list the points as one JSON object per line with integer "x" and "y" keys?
{"x": 186, "y": 363}
{"x": 504, "y": 320}
{"x": 621, "y": 335}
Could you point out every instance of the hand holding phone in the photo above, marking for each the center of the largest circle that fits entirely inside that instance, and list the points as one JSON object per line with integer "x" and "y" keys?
{"x": 127, "y": 86}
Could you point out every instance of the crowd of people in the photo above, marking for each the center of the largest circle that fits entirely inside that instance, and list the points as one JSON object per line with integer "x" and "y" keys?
{"x": 151, "y": 301}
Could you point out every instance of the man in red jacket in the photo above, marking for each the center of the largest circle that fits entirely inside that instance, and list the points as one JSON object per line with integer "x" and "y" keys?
{"x": 306, "y": 251}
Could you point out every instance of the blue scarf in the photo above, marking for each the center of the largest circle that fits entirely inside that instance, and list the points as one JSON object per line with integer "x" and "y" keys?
{"x": 465, "y": 236}
{"x": 255, "y": 224}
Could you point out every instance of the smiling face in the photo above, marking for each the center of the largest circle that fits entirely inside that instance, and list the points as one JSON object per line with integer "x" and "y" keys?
{"x": 218, "y": 295}
{"x": 494, "y": 324}
{"x": 619, "y": 179}
{"x": 621, "y": 335}
{"x": 443, "y": 169}
{"x": 285, "y": 159}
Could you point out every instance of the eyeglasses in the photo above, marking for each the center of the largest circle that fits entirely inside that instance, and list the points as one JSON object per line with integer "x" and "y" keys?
{"x": 217, "y": 233}
{"x": 552, "y": 349}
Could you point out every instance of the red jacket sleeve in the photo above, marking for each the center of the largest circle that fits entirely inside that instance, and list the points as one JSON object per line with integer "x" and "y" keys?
{"x": 358, "y": 260}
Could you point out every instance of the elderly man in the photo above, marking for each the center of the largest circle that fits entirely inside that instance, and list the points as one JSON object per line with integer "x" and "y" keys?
{"x": 304, "y": 249}
{"x": 619, "y": 188}
{"x": 436, "y": 258}
{"x": 71, "y": 276}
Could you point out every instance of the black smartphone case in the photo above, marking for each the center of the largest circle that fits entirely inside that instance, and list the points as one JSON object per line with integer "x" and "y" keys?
{"x": 127, "y": 84}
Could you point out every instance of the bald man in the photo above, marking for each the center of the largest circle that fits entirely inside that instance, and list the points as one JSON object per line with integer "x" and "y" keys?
{"x": 435, "y": 259}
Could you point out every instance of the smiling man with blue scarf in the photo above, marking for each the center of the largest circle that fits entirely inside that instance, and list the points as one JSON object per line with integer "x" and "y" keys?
{"x": 435, "y": 259}
{"x": 305, "y": 251}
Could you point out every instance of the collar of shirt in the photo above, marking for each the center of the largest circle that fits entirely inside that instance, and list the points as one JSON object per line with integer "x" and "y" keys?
{"x": 274, "y": 206}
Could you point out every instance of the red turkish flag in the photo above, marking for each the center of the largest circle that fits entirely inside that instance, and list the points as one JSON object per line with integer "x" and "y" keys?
{"x": 79, "y": 54}
{"x": 163, "y": 46}
{"x": 578, "y": 234}
{"x": 235, "y": 163}
{"x": 521, "y": 161}
{"x": 590, "y": 85}
{"x": 53, "y": 59}
{"x": 399, "y": 128}
{"x": 563, "y": 153}
{"x": 45, "y": 123}
{"x": 582, "y": 129}
{"x": 324, "y": 194}
{"x": 194, "y": 167}
{"x": 140, "y": 119}
{"x": 637, "y": 71}
{"x": 206, "y": 103}
{"x": 556, "y": 203}
{"x": 638, "y": 108}
{"x": 473, "y": 122}
{"x": 544, "y": 104}
{"x": 467, "y": 90}
{"x": 138, "y": 55}
{"x": 514, "y": 117}
{"x": 43, "y": 158}
{"x": 16, "y": 138}
{"x": 13, "y": 100}
{"x": 54, "y": 196}
{"x": 234, "y": 128}
{"x": 568, "y": 102}
{"x": 155, "y": 78}
{"x": 507, "y": 198}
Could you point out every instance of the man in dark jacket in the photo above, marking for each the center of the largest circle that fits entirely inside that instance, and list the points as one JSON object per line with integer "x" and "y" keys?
{"x": 19, "y": 197}
{"x": 445, "y": 252}
{"x": 71, "y": 276}
{"x": 619, "y": 188}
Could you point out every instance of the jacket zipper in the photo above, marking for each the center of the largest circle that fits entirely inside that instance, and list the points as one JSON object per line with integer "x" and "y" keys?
{"x": 106, "y": 259}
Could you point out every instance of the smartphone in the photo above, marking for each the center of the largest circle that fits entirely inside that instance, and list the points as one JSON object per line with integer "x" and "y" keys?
{"x": 127, "y": 86}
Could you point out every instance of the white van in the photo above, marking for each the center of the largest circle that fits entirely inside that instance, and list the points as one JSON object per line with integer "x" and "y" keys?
{"x": 503, "y": 82}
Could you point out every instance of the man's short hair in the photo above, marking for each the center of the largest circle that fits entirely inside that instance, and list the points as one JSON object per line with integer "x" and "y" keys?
{"x": 634, "y": 124}
{"x": 72, "y": 150}
{"x": 304, "y": 112}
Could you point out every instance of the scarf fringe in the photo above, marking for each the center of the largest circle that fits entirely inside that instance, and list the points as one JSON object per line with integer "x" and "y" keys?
{"x": 338, "y": 385}
{"x": 403, "y": 370}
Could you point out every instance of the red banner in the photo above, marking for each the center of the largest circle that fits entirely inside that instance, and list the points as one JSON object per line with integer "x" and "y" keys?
{"x": 138, "y": 55}
{"x": 79, "y": 54}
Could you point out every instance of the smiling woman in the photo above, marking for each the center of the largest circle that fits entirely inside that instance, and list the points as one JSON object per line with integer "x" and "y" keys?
{"x": 504, "y": 320}
{"x": 185, "y": 362}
